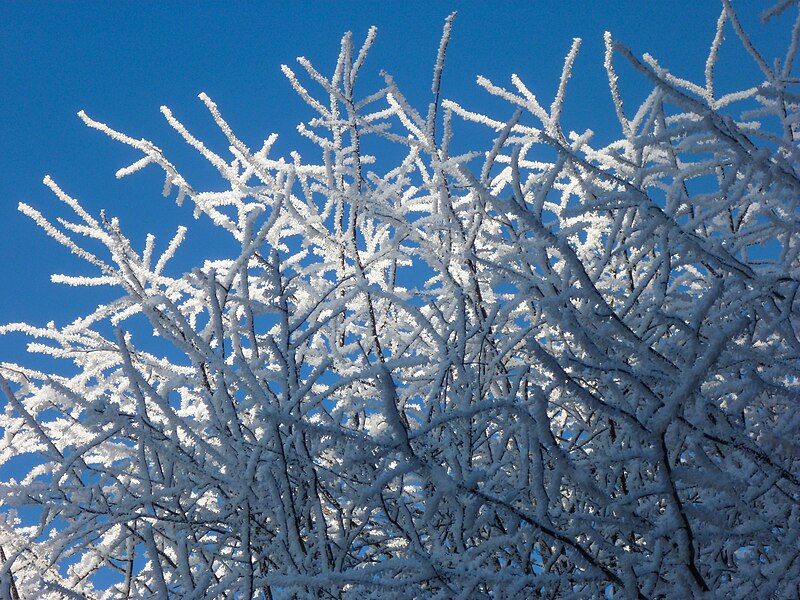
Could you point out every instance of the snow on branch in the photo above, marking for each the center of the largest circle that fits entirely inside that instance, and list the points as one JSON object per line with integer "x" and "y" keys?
{"x": 535, "y": 369}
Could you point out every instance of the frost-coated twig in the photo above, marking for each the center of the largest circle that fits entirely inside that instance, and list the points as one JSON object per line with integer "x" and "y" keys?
{"x": 535, "y": 369}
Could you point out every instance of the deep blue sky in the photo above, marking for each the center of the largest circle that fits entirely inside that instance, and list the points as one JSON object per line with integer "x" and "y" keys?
{"x": 120, "y": 61}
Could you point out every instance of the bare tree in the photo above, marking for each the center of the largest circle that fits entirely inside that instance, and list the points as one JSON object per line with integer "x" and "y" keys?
{"x": 542, "y": 370}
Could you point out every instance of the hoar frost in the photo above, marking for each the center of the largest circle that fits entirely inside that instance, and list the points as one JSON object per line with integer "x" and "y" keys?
{"x": 536, "y": 369}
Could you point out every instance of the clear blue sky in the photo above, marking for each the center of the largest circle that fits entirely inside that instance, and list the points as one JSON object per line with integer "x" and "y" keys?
{"x": 120, "y": 61}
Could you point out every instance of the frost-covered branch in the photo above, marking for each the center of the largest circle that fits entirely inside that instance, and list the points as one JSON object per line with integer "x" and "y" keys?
{"x": 536, "y": 369}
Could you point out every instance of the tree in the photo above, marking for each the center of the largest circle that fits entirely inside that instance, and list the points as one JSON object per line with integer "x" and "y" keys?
{"x": 542, "y": 370}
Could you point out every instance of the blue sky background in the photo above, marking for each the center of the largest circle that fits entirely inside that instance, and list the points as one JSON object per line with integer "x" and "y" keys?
{"x": 121, "y": 61}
